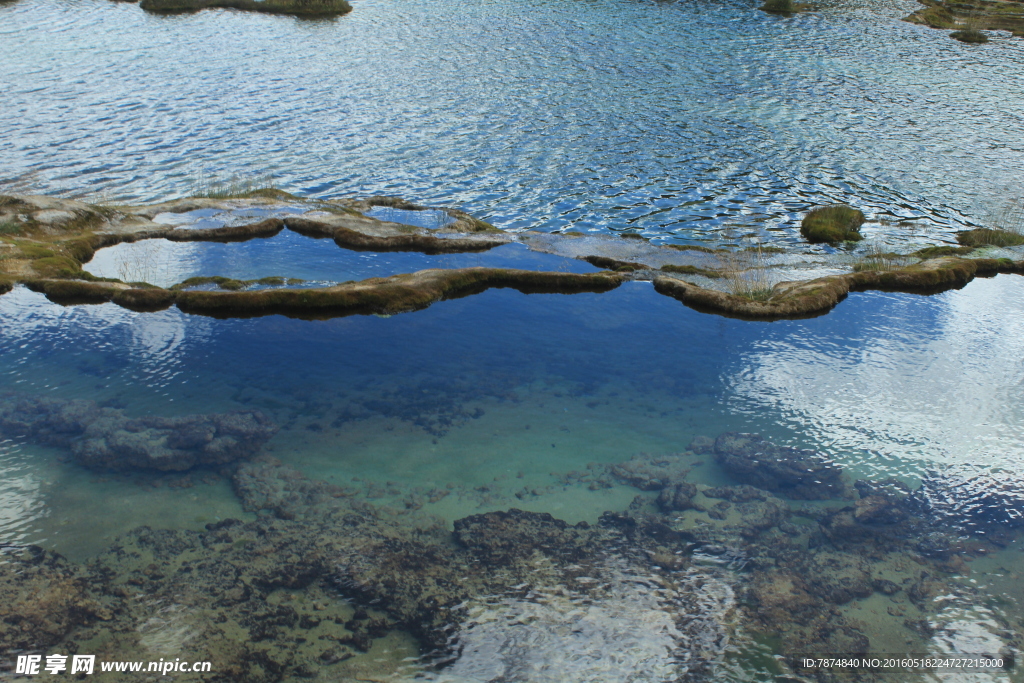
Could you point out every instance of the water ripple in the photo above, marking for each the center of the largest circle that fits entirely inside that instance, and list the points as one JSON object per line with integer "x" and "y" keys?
{"x": 678, "y": 119}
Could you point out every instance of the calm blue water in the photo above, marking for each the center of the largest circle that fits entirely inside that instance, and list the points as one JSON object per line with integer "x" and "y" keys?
{"x": 677, "y": 119}
{"x": 604, "y": 375}
{"x": 164, "y": 263}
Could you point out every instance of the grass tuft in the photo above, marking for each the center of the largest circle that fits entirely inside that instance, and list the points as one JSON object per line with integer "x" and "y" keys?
{"x": 1007, "y": 228}
{"x": 877, "y": 259}
{"x": 748, "y": 274}
{"x": 238, "y": 187}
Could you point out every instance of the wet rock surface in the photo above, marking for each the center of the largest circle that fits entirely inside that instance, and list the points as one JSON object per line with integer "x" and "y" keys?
{"x": 977, "y": 501}
{"x": 855, "y": 570}
{"x": 107, "y": 439}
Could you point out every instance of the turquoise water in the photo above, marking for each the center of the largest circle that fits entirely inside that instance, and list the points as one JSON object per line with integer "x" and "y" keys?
{"x": 676, "y": 119}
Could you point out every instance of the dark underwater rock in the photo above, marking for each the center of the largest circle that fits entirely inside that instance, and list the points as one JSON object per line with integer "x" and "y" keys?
{"x": 838, "y": 577}
{"x": 793, "y": 472}
{"x": 105, "y": 438}
{"x": 677, "y": 498}
{"x": 501, "y": 537}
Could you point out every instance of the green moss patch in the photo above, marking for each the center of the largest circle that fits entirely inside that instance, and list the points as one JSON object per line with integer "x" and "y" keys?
{"x": 937, "y": 17}
{"x": 692, "y": 247}
{"x": 11, "y": 227}
{"x": 614, "y": 264}
{"x": 832, "y": 224}
{"x": 233, "y": 285}
{"x": 969, "y": 35}
{"x": 294, "y": 7}
{"x": 936, "y": 252}
{"x": 691, "y": 270}
{"x": 983, "y": 237}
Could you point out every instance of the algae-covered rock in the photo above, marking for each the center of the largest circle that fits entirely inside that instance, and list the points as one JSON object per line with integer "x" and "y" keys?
{"x": 969, "y": 35}
{"x": 832, "y": 224}
{"x": 677, "y": 498}
{"x": 295, "y": 7}
{"x": 651, "y": 472}
{"x": 501, "y": 537}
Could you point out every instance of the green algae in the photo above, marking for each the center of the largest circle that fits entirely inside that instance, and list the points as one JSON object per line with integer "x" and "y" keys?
{"x": 935, "y": 252}
{"x": 233, "y": 285}
{"x": 692, "y": 270}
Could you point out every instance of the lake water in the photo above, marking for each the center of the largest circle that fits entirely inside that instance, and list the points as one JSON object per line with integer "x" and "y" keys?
{"x": 683, "y": 121}
{"x": 500, "y": 393}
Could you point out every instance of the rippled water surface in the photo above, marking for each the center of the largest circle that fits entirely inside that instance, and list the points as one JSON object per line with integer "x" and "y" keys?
{"x": 678, "y": 119}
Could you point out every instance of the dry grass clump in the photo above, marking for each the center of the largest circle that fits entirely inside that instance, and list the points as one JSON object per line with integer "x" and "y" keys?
{"x": 878, "y": 259}
{"x": 236, "y": 187}
{"x": 748, "y": 274}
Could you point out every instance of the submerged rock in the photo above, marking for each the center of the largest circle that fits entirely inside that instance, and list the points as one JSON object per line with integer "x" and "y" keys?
{"x": 793, "y": 472}
{"x": 677, "y": 498}
{"x": 502, "y": 537}
{"x": 315, "y": 8}
{"x": 42, "y": 597}
{"x": 651, "y": 472}
{"x": 105, "y": 438}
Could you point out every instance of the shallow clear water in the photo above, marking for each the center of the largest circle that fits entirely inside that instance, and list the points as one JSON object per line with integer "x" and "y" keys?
{"x": 501, "y": 393}
{"x": 288, "y": 254}
{"x": 679, "y": 119}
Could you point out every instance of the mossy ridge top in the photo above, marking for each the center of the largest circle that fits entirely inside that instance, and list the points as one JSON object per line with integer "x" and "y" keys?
{"x": 52, "y": 238}
{"x": 971, "y": 18}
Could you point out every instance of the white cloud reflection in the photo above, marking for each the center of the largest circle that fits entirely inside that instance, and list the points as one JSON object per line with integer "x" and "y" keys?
{"x": 932, "y": 383}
